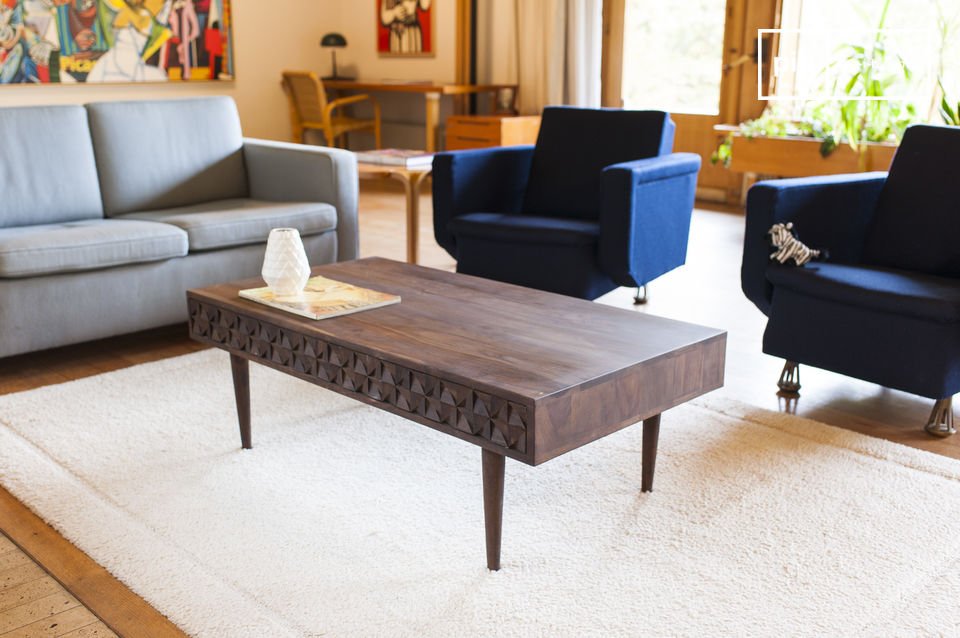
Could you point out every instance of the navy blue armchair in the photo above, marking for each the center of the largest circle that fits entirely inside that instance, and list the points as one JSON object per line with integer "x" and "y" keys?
{"x": 885, "y": 306}
{"x": 599, "y": 202}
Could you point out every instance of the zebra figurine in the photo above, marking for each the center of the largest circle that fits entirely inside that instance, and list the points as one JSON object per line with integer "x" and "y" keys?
{"x": 789, "y": 247}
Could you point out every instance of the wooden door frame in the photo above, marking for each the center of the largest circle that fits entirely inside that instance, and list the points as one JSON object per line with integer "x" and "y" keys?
{"x": 738, "y": 87}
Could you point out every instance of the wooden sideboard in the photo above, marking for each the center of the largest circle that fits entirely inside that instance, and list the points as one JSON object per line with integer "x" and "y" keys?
{"x": 482, "y": 131}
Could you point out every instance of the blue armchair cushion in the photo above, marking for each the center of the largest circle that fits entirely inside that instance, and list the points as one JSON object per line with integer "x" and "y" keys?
{"x": 525, "y": 229}
{"x": 829, "y": 212}
{"x": 914, "y": 227}
{"x": 883, "y": 290}
{"x": 573, "y": 148}
{"x": 482, "y": 180}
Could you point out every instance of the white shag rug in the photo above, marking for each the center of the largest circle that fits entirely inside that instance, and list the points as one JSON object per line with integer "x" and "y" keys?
{"x": 347, "y": 521}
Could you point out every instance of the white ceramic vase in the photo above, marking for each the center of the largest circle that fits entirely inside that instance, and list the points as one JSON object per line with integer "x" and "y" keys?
{"x": 285, "y": 266}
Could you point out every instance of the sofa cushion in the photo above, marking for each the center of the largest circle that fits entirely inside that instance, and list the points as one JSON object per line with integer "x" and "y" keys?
{"x": 575, "y": 145}
{"x": 161, "y": 154}
{"x": 525, "y": 229}
{"x": 881, "y": 289}
{"x": 29, "y": 251}
{"x": 235, "y": 222}
{"x": 47, "y": 169}
{"x": 919, "y": 208}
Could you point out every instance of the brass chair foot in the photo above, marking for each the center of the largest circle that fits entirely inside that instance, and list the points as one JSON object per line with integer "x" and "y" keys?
{"x": 790, "y": 378}
{"x": 940, "y": 422}
{"x": 641, "y": 297}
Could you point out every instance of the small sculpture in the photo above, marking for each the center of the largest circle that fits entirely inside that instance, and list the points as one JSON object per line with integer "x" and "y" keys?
{"x": 789, "y": 247}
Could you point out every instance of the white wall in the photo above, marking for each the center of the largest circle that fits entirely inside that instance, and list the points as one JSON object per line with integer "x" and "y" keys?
{"x": 269, "y": 37}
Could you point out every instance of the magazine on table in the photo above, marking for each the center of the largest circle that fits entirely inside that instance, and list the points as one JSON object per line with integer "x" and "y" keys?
{"x": 323, "y": 298}
{"x": 407, "y": 158}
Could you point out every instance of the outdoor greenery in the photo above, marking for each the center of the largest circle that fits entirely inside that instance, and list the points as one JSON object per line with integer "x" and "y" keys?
{"x": 863, "y": 76}
{"x": 949, "y": 114}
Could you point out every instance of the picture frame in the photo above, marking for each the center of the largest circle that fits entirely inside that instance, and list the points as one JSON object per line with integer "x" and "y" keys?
{"x": 406, "y": 28}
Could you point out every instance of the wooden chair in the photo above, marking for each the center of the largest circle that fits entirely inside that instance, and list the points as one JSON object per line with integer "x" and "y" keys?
{"x": 310, "y": 110}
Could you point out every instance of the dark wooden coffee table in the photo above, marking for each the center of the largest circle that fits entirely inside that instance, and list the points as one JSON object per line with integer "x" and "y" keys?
{"x": 521, "y": 373}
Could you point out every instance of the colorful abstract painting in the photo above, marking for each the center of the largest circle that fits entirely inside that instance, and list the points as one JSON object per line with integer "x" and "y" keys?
{"x": 405, "y": 27}
{"x": 96, "y": 41}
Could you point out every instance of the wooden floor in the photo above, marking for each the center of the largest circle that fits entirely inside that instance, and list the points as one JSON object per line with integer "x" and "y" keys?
{"x": 707, "y": 290}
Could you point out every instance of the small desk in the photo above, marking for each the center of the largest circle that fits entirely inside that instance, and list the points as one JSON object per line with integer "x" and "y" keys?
{"x": 431, "y": 93}
{"x": 411, "y": 178}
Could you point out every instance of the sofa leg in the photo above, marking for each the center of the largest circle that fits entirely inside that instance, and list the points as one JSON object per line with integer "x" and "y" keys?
{"x": 790, "y": 377}
{"x": 940, "y": 422}
{"x": 641, "y": 297}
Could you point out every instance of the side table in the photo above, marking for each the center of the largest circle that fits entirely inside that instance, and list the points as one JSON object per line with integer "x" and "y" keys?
{"x": 411, "y": 178}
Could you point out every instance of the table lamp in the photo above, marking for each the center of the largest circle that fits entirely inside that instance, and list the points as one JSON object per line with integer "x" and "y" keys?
{"x": 334, "y": 41}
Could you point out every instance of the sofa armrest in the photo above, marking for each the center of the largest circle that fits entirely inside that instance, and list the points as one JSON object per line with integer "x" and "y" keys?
{"x": 284, "y": 172}
{"x": 830, "y": 212}
{"x": 645, "y": 213}
{"x": 483, "y": 180}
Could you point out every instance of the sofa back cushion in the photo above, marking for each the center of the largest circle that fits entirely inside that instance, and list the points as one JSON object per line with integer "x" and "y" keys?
{"x": 576, "y": 144}
{"x": 914, "y": 227}
{"x": 47, "y": 169}
{"x": 163, "y": 154}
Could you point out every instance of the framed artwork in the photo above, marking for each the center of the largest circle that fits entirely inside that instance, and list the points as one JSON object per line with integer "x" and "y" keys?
{"x": 104, "y": 41}
{"x": 405, "y": 27}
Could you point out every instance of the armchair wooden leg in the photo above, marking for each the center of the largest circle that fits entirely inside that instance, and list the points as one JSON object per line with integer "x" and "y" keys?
{"x": 940, "y": 422}
{"x": 376, "y": 135}
{"x": 641, "y": 297}
{"x": 790, "y": 377}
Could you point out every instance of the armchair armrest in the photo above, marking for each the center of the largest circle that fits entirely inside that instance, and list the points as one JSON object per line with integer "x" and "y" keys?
{"x": 333, "y": 105}
{"x": 645, "y": 213}
{"x": 483, "y": 180}
{"x": 283, "y": 172}
{"x": 830, "y": 212}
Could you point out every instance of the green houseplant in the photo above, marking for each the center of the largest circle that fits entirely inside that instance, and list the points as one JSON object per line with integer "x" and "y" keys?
{"x": 863, "y": 75}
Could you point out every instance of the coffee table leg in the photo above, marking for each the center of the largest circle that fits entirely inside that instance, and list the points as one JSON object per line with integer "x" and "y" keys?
{"x": 493, "y": 505}
{"x": 241, "y": 390}
{"x": 651, "y": 432}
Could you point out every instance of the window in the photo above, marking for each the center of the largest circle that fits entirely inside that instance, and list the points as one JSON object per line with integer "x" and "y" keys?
{"x": 673, "y": 55}
{"x": 815, "y": 49}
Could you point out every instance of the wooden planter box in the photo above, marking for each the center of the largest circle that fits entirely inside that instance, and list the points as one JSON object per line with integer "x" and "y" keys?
{"x": 800, "y": 157}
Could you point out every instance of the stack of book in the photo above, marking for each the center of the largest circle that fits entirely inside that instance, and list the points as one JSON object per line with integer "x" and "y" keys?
{"x": 397, "y": 157}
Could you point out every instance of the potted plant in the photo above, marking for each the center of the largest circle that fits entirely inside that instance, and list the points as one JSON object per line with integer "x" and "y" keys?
{"x": 856, "y": 132}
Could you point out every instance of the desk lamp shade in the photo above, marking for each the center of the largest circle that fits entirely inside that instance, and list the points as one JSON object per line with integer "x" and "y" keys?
{"x": 334, "y": 41}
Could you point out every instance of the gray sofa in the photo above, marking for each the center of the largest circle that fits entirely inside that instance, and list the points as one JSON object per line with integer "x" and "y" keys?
{"x": 110, "y": 212}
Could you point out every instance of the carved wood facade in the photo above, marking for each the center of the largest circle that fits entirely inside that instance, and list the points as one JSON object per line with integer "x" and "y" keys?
{"x": 448, "y": 406}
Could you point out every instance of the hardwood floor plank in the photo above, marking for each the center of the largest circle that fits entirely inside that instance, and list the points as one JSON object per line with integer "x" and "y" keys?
{"x": 96, "y": 630}
{"x": 27, "y": 592}
{"x": 20, "y": 575}
{"x": 12, "y": 560}
{"x": 34, "y": 610}
{"x": 6, "y": 545}
{"x": 60, "y": 624}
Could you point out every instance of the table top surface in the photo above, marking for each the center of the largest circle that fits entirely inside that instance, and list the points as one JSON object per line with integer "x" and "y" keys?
{"x": 404, "y": 86}
{"x": 525, "y": 344}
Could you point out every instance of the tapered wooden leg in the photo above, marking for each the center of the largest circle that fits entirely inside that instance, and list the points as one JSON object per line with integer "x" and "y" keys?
{"x": 651, "y": 433}
{"x": 493, "y": 505}
{"x": 241, "y": 390}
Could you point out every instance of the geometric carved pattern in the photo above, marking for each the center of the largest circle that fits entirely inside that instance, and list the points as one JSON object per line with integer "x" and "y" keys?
{"x": 468, "y": 411}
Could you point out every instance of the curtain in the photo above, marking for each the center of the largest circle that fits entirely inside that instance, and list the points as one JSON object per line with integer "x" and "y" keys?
{"x": 550, "y": 48}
